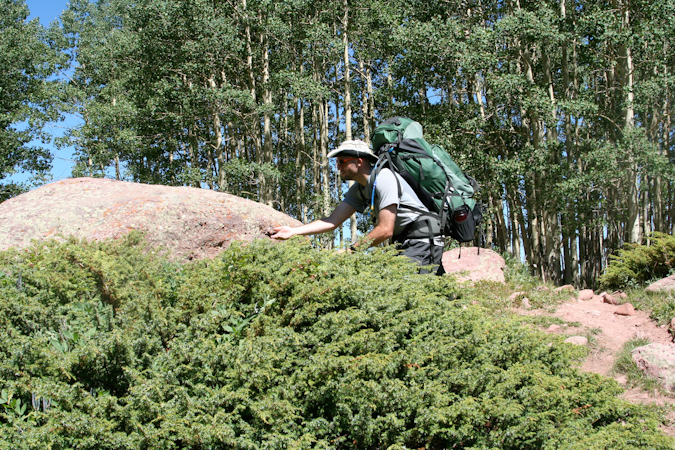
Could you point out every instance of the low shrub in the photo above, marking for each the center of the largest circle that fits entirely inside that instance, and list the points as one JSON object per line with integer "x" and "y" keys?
{"x": 638, "y": 263}
{"x": 281, "y": 346}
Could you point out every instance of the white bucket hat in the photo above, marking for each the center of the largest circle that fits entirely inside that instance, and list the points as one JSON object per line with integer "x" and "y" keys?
{"x": 354, "y": 148}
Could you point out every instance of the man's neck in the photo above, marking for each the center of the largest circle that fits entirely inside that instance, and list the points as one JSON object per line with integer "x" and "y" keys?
{"x": 363, "y": 175}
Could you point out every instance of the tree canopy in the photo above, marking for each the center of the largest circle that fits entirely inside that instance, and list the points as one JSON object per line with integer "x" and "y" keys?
{"x": 561, "y": 110}
{"x": 27, "y": 96}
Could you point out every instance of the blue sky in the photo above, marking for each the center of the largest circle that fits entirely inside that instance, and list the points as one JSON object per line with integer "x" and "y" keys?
{"x": 46, "y": 10}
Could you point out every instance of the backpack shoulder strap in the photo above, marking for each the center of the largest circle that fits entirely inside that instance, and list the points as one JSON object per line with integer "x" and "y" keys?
{"x": 384, "y": 161}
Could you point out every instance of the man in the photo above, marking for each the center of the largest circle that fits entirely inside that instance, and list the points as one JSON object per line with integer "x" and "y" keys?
{"x": 398, "y": 211}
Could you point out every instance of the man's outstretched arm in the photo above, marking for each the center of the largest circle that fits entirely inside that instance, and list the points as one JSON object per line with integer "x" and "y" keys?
{"x": 343, "y": 212}
{"x": 384, "y": 228}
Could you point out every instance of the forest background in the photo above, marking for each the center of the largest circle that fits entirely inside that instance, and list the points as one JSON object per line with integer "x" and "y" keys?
{"x": 561, "y": 110}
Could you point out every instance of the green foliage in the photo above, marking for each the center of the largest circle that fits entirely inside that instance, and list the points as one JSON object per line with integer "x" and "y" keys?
{"x": 660, "y": 304}
{"x": 26, "y": 63}
{"x": 638, "y": 263}
{"x": 281, "y": 345}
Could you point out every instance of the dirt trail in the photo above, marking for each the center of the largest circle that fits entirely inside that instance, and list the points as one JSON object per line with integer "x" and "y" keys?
{"x": 609, "y": 333}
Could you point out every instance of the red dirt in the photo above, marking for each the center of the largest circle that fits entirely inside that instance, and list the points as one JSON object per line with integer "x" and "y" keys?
{"x": 609, "y": 333}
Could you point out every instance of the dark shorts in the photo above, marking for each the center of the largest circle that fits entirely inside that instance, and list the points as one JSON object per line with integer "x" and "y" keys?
{"x": 423, "y": 254}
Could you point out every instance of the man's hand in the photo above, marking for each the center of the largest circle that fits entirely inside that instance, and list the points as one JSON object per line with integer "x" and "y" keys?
{"x": 284, "y": 232}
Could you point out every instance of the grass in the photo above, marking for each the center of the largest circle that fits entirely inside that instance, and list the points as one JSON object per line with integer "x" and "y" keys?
{"x": 625, "y": 365}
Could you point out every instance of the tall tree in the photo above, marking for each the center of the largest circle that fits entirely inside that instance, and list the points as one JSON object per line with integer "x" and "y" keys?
{"x": 28, "y": 98}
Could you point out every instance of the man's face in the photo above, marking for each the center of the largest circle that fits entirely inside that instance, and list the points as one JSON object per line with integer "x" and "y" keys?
{"x": 348, "y": 166}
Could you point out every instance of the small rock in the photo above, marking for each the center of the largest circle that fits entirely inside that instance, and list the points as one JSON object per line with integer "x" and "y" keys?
{"x": 620, "y": 294}
{"x": 625, "y": 310}
{"x": 525, "y": 303}
{"x": 565, "y": 288}
{"x": 577, "y": 340}
{"x": 516, "y": 295}
{"x": 553, "y": 328}
{"x": 541, "y": 288}
{"x": 594, "y": 312}
{"x": 586, "y": 294}
{"x": 597, "y": 298}
{"x": 609, "y": 298}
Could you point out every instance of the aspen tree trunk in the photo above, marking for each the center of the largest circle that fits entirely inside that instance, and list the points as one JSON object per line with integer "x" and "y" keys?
{"x": 365, "y": 105}
{"x": 371, "y": 102}
{"x": 552, "y": 228}
{"x": 193, "y": 151}
{"x": 300, "y": 165}
{"x": 495, "y": 204}
{"x": 625, "y": 82}
{"x": 316, "y": 160}
{"x": 348, "y": 100}
{"x": 255, "y": 128}
{"x": 218, "y": 144}
{"x": 325, "y": 169}
{"x": 266, "y": 185}
{"x": 667, "y": 218}
{"x": 569, "y": 223}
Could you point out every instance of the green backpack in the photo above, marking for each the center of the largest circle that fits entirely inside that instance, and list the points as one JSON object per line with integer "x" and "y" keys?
{"x": 438, "y": 182}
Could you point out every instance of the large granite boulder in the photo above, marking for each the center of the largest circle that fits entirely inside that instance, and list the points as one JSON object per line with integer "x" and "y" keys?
{"x": 657, "y": 360}
{"x": 479, "y": 264}
{"x": 663, "y": 285}
{"x": 192, "y": 223}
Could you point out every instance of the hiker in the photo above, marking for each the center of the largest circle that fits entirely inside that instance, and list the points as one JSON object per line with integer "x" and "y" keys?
{"x": 398, "y": 211}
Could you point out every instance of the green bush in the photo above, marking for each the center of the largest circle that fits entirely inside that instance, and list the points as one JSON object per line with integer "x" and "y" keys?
{"x": 281, "y": 346}
{"x": 639, "y": 263}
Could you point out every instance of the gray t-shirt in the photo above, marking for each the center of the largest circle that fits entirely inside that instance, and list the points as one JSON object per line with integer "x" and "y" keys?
{"x": 386, "y": 194}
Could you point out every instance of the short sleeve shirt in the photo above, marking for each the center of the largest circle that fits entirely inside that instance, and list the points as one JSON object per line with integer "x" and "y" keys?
{"x": 386, "y": 194}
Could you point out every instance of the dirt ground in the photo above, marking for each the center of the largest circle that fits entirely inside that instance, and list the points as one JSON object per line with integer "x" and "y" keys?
{"x": 610, "y": 332}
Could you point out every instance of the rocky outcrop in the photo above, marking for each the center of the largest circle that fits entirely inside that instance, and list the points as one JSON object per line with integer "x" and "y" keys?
{"x": 192, "y": 223}
{"x": 657, "y": 360}
{"x": 663, "y": 285}
{"x": 479, "y": 264}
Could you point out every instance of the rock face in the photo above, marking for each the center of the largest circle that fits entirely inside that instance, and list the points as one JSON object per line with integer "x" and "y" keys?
{"x": 665, "y": 284}
{"x": 658, "y": 360}
{"x": 586, "y": 294}
{"x": 193, "y": 223}
{"x": 486, "y": 265}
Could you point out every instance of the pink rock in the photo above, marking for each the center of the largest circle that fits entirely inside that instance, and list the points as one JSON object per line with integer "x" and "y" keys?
{"x": 553, "y": 328}
{"x": 658, "y": 360}
{"x": 597, "y": 298}
{"x": 625, "y": 310}
{"x": 663, "y": 285}
{"x": 577, "y": 340}
{"x": 565, "y": 288}
{"x": 525, "y": 302}
{"x": 485, "y": 264}
{"x": 609, "y": 298}
{"x": 620, "y": 294}
{"x": 192, "y": 223}
{"x": 586, "y": 294}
